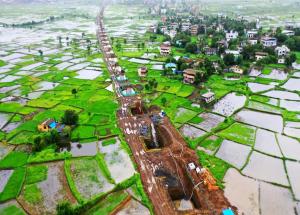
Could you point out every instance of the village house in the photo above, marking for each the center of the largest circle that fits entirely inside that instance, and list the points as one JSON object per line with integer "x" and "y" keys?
{"x": 165, "y": 48}
{"x": 164, "y": 29}
{"x": 185, "y": 26}
{"x": 282, "y": 51}
{"x": 260, "y": 55}
{"x": 210, "y": 51}
{"x": 194, "y": 29}
{"x": 269, "y": 41}
{"x": 164, "y": 19}
{"x": 231, "y": 35}
{"x": 142, "y": 71}
{"x": 50, "y": 124}
{"x": 172, "y": 33}
{"x": 208, "y": 97}
{"x": 152, "y": 29}
{"x": 222, "y": 43}
{"x": 174, "y": 25}
{"x": 236, "y": 69}
{"x": 252, "y": 41}
{"x": 236, "y": 53}
{"x": 288, "y": 32}
{"x": 189, "y": 76}
{"x": 252, "y": 34}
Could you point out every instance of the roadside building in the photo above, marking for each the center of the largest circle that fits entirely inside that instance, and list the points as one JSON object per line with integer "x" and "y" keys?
{"x": 172, "y": 33}
{"x": 252, "y": 41}
{"x": 269, "y": 41}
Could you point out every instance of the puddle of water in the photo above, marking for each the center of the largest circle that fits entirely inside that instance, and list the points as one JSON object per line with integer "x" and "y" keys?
{"x": 290, "y": 105}
{"x": 255, "y": 87}
{"x": 290, "y": 147}
{"x": 118, "y": 161}
{"x": 4, "y": 118}
{"x": 158, "y": 67}
{"x": 233, "y": 153}
{"x": 84, "y": 149}
{"x": 10, "y": 78}
{"x": 136, "y": 60}
{"x": 11, "y": 126}
{"x": 210, "y": 121}
{"x": 293, "y": 169}
{"x": 63, "y": 65}
{"x": 242, "y": 192}
{"x": 229, "y": 104}
{"x": 275, "y": 122}
{"x": 78, "y": 66}
{"x": 191, "y": 132}
{"x": 282, "y": 95}
{"x": 4, "y": 177}
{"x": 293, "y": 132}
{"x": 33, "y": 66}
{"x": 292, "y": 84}
{"x": 266, "y": 142}
{"x": 266, "y": 168}
{"x": 88, "y": 74}
{"x": 276, "y": 74}
{"x": 45, "y": 85}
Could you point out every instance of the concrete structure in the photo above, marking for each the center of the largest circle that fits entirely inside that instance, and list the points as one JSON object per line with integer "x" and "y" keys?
{"x": 50, "y": 124}
{"x": 185, "y": 26}
{"x": 208, "y": 97}
{"x": 194, "y": 29}
{"x": 260, "y": 55}
{"x": 288, "y": 32}
{"x": 231, "y": 35}
{"x": 269, "y": 41}
{"x": 189, "y": 76}
{"x": 143, "y": 71}
{"x": 165, "y": 48}
{"x": 210, "y": 51}
{"x": 236, "y": 69}
{"x": 282, "y": 51}
{"x": 252, "y": 34}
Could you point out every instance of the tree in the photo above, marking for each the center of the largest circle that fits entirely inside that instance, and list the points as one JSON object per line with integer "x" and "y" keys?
{"x": 290, "y": 59}
{"x": 65, "y": 208}
{"x": 163, "y": 101}
{"x": 74, "y": 92}
{"x": 70, "y": 117}
{"x": 229, "y": 59}
{"x": 191, "y": 48}
{"x": 41, "y": 53}
{"x": 38, "y": 144}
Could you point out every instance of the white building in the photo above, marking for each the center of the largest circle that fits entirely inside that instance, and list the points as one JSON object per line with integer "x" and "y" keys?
{"x": 231, "y": 35}
{"x": 252, "y": 34}
{"x": 282, "y": 51}
{"x": 172, "y": 33}
{"x": 185, "y": 26}
{"x": 269, "y": 41}
{"x": 288, "y": 32}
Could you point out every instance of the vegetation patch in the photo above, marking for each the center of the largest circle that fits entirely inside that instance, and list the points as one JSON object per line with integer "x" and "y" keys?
{"x": 11, "y": 209}
{"x": 240, "y": 133}
{"x": 215, "y": 165}
{"x": 14, "y": 159}
{"x": 14, "y": 185}
{"x": 36, "y": 174}
{"x": 32, "y": 193}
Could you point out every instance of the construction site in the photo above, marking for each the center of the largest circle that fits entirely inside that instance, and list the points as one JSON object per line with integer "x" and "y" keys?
{"x": 172, "y": 176}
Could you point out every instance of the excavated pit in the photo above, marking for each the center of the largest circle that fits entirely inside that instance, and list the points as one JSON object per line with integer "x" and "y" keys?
{"x": 176, "y": 192}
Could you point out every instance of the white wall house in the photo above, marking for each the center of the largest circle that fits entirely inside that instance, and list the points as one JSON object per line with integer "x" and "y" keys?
{"x": 269, "y": 41}
{"x": 231, "y": 35}
{"x": 282, "y": 51}
{"x": 252, "y": 34}
{"x": 185, "y": 26}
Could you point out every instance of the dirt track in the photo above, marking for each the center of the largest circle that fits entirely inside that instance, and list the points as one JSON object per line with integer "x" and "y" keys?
{"x": 164, "y": 171}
